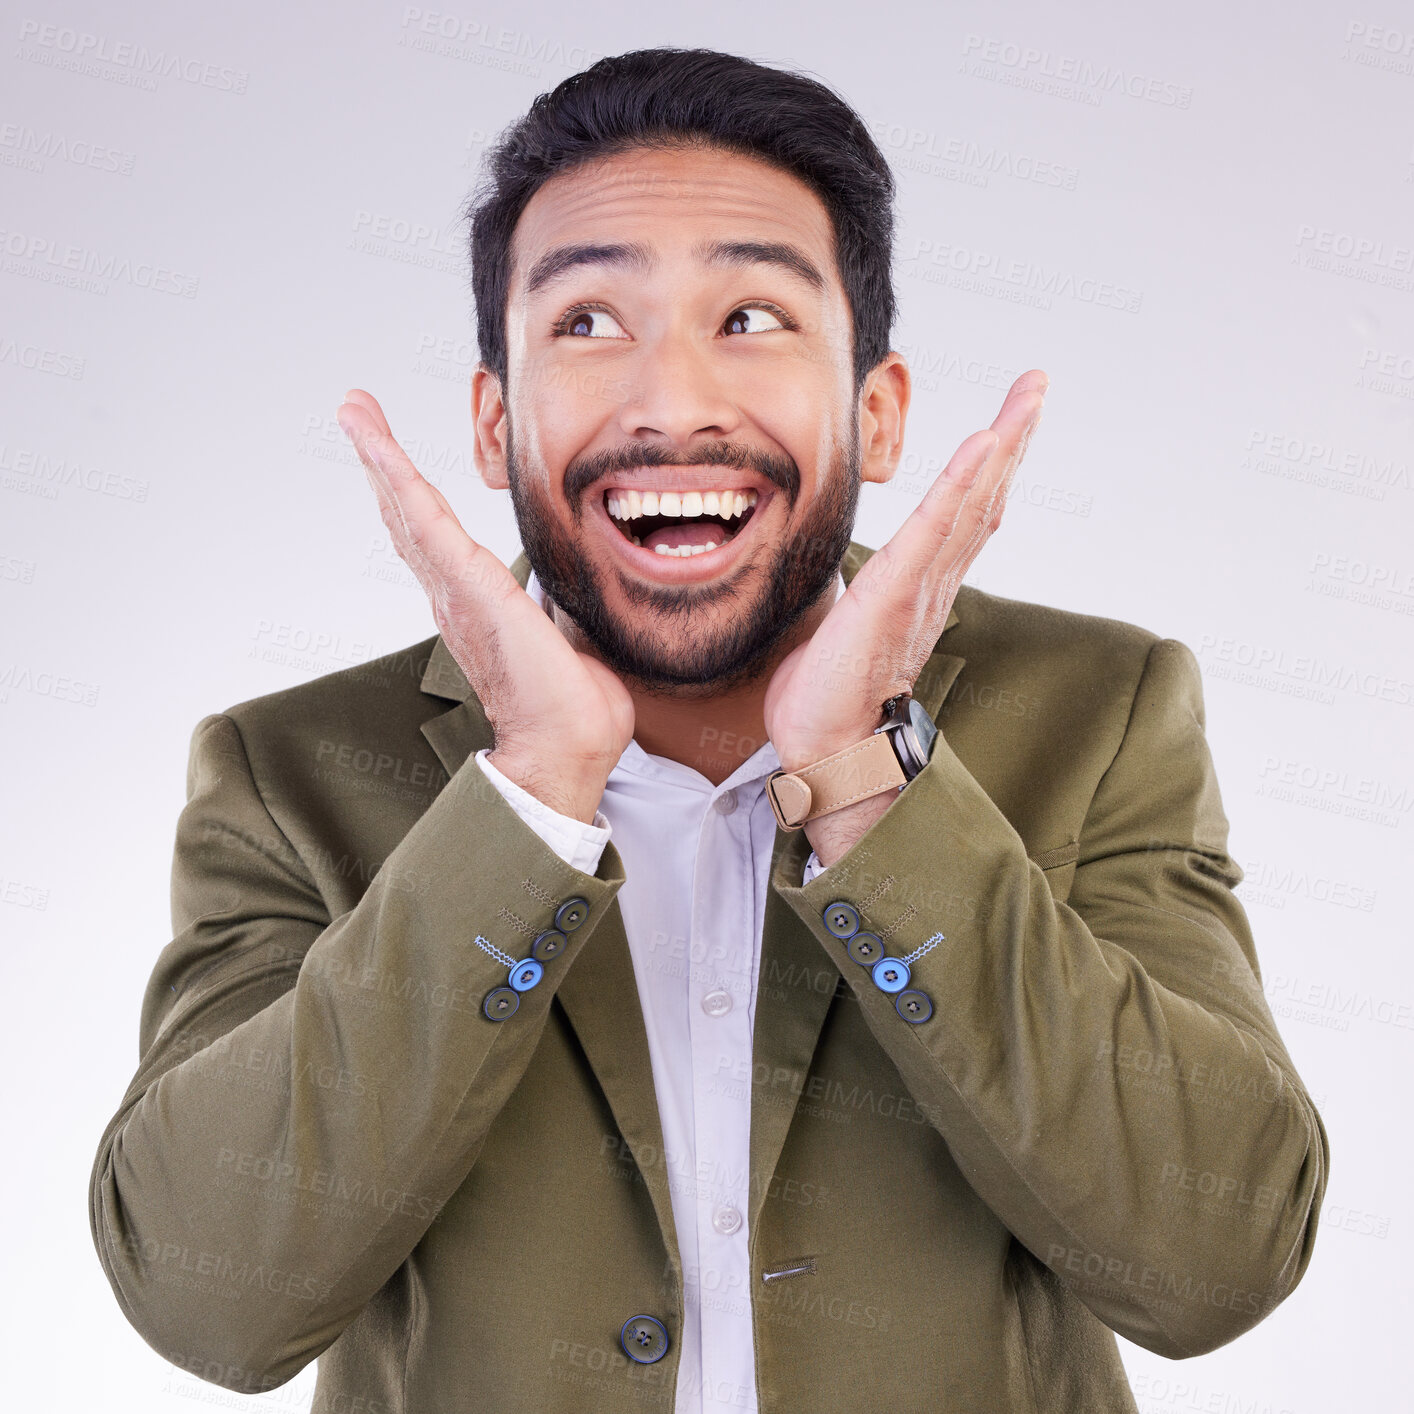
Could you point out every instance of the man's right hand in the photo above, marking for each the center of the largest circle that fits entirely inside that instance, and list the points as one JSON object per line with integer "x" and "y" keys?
{"x": 561, "y": 718}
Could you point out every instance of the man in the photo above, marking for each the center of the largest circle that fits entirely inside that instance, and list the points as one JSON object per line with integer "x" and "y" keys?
{"x": 519, "y": 1050}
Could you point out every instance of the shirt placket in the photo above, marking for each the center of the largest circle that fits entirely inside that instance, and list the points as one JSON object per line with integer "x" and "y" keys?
{"x": 722, "y": 955}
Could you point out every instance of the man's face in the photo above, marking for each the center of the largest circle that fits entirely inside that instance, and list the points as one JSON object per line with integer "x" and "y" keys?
{"x": 676, "y": 327}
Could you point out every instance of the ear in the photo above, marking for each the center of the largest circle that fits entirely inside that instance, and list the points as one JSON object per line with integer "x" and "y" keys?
{"x": 883, "y": 410}
{"x": 488, "y": 415}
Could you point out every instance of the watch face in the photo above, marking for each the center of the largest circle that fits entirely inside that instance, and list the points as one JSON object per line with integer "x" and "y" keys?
{"x": 917, "y": 737}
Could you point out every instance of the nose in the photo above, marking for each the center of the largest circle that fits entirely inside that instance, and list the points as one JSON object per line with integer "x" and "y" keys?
{"x": 678, "y": 394}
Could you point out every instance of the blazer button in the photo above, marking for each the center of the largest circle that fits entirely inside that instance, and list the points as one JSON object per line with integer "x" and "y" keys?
{"x": 913, "y": 1006}
{"x": 571, "y": 913}
{"x": 550, "y": 943}
{"x": 501, "y": 1003}
{"x": 525, "y": 974}
{"x": 890, "y": 974}
{"x": 644, "y": 1339}
{"x": 842, "y": 919}
{"x": 865, "y": 948}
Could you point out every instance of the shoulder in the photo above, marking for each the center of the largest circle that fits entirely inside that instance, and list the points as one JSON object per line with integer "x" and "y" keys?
{"x": 1080, "y": 674}
{"x": 1021, "y": 632}
{"x": 370, "y": 707}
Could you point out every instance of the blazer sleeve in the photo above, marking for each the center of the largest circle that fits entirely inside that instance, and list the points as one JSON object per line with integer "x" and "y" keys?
{"x": 312, "y": 1089}
{"x": 1106, "y": 1071}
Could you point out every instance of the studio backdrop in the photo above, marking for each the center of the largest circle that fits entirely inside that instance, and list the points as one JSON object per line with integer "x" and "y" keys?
{"x": 1198, "y": 220}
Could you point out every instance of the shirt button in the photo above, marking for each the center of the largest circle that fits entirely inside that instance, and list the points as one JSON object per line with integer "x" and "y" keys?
{"x": 726, "y": 1221}
{"x": 717, "y": 1002}
{"x": 725, "y": 803}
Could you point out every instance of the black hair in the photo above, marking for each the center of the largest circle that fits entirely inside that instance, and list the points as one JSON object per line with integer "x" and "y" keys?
{"x": 659, "y": 98}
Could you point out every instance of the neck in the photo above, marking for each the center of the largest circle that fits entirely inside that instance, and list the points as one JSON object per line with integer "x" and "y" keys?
{"x": 713, "y": 735}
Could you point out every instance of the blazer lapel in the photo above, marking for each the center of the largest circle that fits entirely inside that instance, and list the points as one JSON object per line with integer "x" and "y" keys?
{"x": 798, "y": 980}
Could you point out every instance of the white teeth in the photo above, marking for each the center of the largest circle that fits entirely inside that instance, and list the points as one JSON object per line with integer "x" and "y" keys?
{"x": 631, "y": 504}
{"x": 683, "y": 551}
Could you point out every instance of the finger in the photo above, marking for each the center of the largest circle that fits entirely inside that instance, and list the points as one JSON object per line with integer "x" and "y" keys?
{"x": 376, "y": 434}
{"x": 426, "y": 533}
{"x": 1014, "y": 424}
{"x": 900, "y": 565}
{"x": 981, "y": 513}
{"x": 947, "y": 530}
{"x": 367, "y": 400}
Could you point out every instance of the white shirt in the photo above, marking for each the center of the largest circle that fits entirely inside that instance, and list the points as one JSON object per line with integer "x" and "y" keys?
{"x": 697, "y": 865}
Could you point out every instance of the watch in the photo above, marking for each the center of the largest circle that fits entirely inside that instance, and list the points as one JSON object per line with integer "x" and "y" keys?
{"x": 896, "y": 752}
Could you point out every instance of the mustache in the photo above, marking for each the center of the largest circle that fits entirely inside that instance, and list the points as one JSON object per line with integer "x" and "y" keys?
{"x": 584, "y": 471}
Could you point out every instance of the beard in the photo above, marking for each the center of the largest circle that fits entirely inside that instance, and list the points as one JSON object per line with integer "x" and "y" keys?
{"x": 672, "y": 646}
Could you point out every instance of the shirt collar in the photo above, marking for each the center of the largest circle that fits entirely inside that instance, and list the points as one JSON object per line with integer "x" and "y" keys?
{"x": 638, "y": 762}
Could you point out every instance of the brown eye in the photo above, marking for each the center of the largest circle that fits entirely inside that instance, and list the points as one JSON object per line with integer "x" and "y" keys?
{"x": 590, "y": 324}
{"x": 751, "y": 319}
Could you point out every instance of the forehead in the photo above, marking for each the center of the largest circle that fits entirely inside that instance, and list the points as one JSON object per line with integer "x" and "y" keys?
{"x": 670, "y": 200}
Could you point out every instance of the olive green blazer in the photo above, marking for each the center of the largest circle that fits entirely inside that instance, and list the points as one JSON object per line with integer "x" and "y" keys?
{"x": 329, "y": 1150}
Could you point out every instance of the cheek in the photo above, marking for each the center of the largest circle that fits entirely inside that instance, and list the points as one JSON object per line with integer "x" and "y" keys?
{"x": 571, "y": 397}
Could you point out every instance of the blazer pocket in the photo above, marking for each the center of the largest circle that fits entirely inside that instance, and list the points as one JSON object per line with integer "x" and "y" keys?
{"x": 1058, "y": 865}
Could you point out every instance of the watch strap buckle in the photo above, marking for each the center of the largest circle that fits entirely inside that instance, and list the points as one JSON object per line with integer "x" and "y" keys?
{"x": 867, "y": 768}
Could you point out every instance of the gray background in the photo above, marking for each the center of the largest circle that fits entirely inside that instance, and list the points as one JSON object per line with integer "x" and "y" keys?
{"x": 1198, "y": 222}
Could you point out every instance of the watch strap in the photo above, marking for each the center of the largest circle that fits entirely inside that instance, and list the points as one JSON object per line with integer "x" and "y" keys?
{"x": 864, "y": 769}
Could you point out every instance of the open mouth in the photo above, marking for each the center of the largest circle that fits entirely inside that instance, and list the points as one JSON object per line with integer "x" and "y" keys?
{"x": 680, "y": 524}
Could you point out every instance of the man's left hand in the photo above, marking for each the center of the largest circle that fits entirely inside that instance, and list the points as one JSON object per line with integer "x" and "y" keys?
{"x": 828, "y": 693}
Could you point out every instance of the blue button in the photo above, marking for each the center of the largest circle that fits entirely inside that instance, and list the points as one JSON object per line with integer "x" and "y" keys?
{"x": 913, "y": 1006}
{"x": 890, "y": 974}
{"x": 644, "y": 1339}
{"x": 500, "y": 1004}
{"x": 525, "y": 974}
{"x": 842, "y": 919}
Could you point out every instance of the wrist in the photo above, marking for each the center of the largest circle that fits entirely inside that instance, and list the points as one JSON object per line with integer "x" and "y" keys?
{"x": 832, "y": 836}
{"x": 562, "y": 786}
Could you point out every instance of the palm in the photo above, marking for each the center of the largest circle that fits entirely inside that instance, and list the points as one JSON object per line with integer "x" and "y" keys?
{"x": 827, "y": 692}
{"x": 516, "y": 660}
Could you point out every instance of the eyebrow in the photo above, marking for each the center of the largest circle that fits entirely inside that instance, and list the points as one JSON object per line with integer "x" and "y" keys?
{"x": 778, "y": 253}
{"x": 557, "y": 263}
